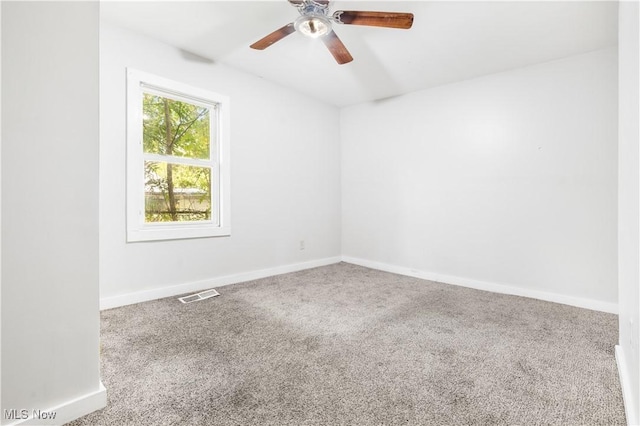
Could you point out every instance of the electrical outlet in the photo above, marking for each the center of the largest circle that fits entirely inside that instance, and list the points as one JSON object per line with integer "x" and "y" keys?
{"x": 302, "y": 245}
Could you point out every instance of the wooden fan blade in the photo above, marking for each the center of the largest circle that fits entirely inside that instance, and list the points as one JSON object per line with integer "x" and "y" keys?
{"x": 375, "y": 19}
{"x": 337, "y": 48}
{"x": 275, "y": 36}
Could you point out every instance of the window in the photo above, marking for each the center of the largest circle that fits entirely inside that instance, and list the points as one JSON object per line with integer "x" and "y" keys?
{"x": 177, "y": 160}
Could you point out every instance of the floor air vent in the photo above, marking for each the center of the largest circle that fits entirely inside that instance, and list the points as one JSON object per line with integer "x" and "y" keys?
{"x": 199, "y": 296}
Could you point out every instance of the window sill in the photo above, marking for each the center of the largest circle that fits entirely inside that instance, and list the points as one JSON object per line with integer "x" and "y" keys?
{"x": 176, "y": 233}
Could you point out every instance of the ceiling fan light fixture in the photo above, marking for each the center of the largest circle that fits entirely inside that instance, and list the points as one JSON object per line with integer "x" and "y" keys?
{"x": 313, "y": 26}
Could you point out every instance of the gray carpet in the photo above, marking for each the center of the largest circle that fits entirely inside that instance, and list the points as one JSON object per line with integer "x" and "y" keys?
{"x": 343, "y": 344}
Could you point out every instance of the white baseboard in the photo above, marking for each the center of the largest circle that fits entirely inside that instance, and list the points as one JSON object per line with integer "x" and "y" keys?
{"x": 595, "y": 305}
{"x": 630, "y": 407}
{"x": 174, "y": 290}
{"x": 69, "y": 410}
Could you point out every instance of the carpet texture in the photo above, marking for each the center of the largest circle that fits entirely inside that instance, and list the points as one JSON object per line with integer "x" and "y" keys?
{"x": 343, "y": 344}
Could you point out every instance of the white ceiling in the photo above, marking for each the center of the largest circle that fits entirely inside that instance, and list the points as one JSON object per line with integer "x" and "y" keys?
{"x": 449, "y": 41}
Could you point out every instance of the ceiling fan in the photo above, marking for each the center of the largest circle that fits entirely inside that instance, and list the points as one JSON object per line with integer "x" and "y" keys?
{"x": 315, "y": 22}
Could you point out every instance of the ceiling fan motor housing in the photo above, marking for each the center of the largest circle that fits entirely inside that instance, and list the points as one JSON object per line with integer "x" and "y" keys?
{"x": 310, "y": 7}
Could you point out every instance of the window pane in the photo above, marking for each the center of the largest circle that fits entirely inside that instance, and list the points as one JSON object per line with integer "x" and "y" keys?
{"x": 175, "y": 128}
{"x": 176, "y": 193}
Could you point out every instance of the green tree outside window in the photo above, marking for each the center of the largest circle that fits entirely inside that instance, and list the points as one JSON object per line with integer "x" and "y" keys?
{"x": 176, "y": 192}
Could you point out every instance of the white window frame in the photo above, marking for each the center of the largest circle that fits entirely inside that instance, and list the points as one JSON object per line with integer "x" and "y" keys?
{"x": 138, "y": 83}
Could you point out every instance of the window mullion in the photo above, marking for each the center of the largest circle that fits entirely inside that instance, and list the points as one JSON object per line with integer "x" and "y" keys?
{"x": 177, "y": 160}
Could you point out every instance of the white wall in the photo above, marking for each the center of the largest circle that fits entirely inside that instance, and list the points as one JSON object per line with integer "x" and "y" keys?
{"x": 285, "y": 177}
{"x": 50, "y": 140}
{"x": 0, "y": 200}
{"x": 629, "y": 208}
{"x": 508, "y": 179}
